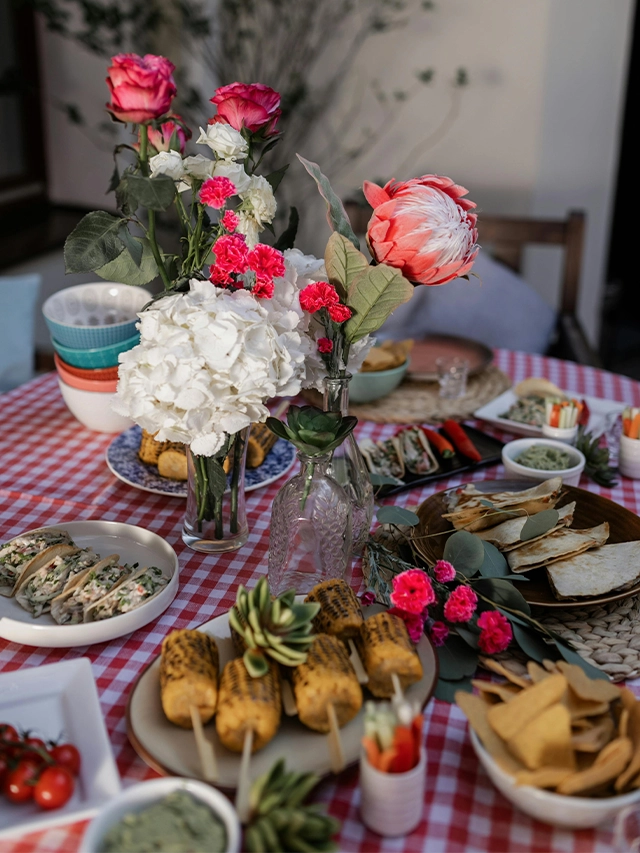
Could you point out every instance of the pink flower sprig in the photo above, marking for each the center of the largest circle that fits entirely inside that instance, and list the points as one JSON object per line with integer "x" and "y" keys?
{"x": 461, "y": 604}
{"x": 215, "y": 191}
{"x": 412, "y": 591}
{"x": 495, "y": 632}
{"x": 321, "y": 294}
{"x": 233, "y": 258}
{"x": 444, "y": 571}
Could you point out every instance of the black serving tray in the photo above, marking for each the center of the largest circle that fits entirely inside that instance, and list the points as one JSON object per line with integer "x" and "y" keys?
{"x": 489, "y": 447}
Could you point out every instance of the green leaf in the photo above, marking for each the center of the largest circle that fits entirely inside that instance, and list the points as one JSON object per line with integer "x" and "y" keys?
{"x": 531, "y": 643}
{"x": 276, "y": 176}
{"x": 456, "y": 659}
{"x": 93, "y": 242}
{"x": 539, "y": 524}
{"x": 336, "y": 214}
{"x": 288, "y": 237}
{"x": 470, "y": 637}
{"x": 276, "y": 426}
{"x": 256, "y": 663}
{"x": 217, "y": 477}
{"x": 446, "y": 690}
{"x": 115, "y": 179}
{"x": 343, "y": 263}
{"x": 153, "y": 193}
{"x": 134, "y": 247}
{"x": 397, "y": 515}
{"x": 373, "y": 296}
{"x": 512, "y": 617}
{"x": 502, "y": 591}
{"x": 572, "y": 656}
{"x": 494, "y": 564}
{"x": 464, "y": 551}
{"x": 125, "y": 270}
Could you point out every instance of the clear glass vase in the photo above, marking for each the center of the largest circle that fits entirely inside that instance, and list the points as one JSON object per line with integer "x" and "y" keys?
{"x": 348, "y": 466}
{"x": 310, "y": 534}
{"x": 216, "y": 520}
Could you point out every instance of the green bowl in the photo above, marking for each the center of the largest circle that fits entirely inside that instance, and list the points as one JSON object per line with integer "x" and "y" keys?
{"x": 374, "y": 384}
{"x": 96, "y": 357}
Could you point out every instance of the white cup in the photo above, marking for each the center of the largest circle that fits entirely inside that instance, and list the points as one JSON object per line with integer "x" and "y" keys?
{"x": 629, "y": 457}
{"x": 568, "y": 435}
{"x": 452, "y": 376}
{"x": 392, "y": 804}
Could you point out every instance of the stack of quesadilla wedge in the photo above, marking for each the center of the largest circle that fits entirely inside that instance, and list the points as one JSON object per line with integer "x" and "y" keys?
{"x": 597, "y": 572}
{"x": 559, "y": 545}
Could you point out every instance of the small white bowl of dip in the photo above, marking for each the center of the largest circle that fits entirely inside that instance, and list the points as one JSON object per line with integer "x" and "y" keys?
{"x": 547, "y": 449}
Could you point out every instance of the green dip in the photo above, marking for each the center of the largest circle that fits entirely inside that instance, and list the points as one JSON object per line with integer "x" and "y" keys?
{"x": 179, "y": 823}
{"x": 544, "y": 458}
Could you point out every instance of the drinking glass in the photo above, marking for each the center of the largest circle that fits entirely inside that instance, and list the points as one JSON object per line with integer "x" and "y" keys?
{"x": 452, "y": 376}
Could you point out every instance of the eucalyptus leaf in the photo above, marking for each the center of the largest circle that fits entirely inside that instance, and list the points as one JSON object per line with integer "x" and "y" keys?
{"x": 93, "y": 242}
{"x": 485, "y": 502}
{"x": 336, "y": 214}
{"x": 572, "y": 656}
{"x": 470, "y": 637}
{"x": 152, "y": 193}
{"x": 456, "y": 659}
{"x": 464, "y": 551}
{"x": 446, "y": 690}
{"x": 531, "y": 643}
{"x": 275, "y": 177}
{"x": 373, "y": 296}
{"x": 288, "y": 237}
{"x": 217, "y": 476}
{"x": 494, "y": 564}
{"x": 517, "y": 578}
{"x": 539, "y": 523}
{"x": 125, "y": 270}
{"x": 397, "y": 515}
{"x": 343, "y": 262}
{"x": 513, "y": 618}
{"x": 502, "y": 591}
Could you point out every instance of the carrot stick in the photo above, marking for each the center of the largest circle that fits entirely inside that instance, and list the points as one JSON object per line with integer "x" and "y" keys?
{"x": 386, "y": 758}
{"x": 626, "y": 426}
{"x": 373, "y": 751}
{"x": 441, "y": 444}
{"x": 634, "y": 429}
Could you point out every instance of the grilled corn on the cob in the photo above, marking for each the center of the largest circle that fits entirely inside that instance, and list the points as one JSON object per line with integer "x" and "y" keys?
{"x": 385, "y": 647}
{"x": 340, "y": 613}
{"x": 247, "y": 703}
{"x": 326, "y": 676}
{"x": 150, "y": 449}
{"x": 188, "y": 676}
{"x": 260, "y": 442}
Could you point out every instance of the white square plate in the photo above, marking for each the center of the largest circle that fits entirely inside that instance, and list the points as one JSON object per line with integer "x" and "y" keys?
{"x": 494, "y": 409}
{"x": 59, "y": 699}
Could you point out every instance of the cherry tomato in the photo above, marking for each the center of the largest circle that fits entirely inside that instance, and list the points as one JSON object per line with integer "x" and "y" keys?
{"x": 4, "y": 768}
{"x": 54, "y": 787}
{"x": 8, "y": 732}
{"x": 18, "y": 784}
{"x": 36, "y": 743}
{"x": 10, "y": 735}
{"x": 66, "y": 755}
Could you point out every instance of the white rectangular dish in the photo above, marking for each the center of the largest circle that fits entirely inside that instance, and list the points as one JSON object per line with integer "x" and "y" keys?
{"x": 492, "y": 413}
{"x": 53, "y": 701}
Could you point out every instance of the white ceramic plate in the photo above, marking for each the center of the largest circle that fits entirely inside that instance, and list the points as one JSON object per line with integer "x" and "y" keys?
{"x": 133, "y": 544}
{"x": 59, "y": 699}
{"x": 493, "y": 410}
{"x": 125, "y": 464}
{"x": 172, "y": 751}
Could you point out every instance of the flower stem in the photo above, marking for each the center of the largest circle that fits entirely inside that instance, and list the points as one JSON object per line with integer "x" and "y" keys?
{"x": 308, "y": 479}
{"x": 151, "y": 231}
{"x": 238, "y": 447}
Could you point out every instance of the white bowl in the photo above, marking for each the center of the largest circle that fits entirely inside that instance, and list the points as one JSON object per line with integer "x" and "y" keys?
{"x": 513, "y": 449}
{"x": 93, "y": 409}
{"x": 143, "y": 794}
{"x": 549, "y": 807}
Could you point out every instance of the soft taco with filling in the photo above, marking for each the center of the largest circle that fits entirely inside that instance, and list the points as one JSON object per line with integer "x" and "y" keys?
{"x": 24, "y": 554}
{"x": 37, "y": 591}
{"x": 134, "y": 591}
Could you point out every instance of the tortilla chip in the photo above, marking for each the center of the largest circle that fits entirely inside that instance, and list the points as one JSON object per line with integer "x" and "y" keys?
{"x": 579, "y": 708}
{"x": 545, "y": 741}
{"x": 508, "y": 718}
{"x": 550, "y": 665}
{"x": 505, "y": 692}
{"x": 544, "y": 777}
{"x": 628, "y": 698}
{"x": 594, "y": 689}
{"x": 597, "y": 572}
{"x": 536, "y": 672}
{"x": 633, "y": 733}
{"x": 560, "y": 545}
{"x": 501, "y": 669}
{"x": 609, "y": 764}
{"x": 475, "y": 710}
{"x": 594, "y": 738}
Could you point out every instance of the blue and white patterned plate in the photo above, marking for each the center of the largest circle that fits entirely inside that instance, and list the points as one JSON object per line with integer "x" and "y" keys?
{"x": 124, "y": 462}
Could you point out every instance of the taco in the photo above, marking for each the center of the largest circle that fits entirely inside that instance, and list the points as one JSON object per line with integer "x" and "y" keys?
{"x": 383, "y": 457}
{"x": 136, "y": 590}
{"x": 23, "y": 555}
{"x": 90, "y": 586}
{"x": 416, "y": 451}
{"x": 37, "y": 591}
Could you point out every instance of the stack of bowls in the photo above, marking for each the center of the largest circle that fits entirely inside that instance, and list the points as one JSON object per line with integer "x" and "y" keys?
{"x": 90, "y": 325}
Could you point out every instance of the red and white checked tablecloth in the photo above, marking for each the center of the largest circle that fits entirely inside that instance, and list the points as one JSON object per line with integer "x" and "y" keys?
{"x": 52, "y": 470}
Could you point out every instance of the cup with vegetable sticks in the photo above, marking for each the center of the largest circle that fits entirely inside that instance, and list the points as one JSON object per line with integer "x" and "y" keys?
{"x": 561, "y": 418}
{"x": 629, "y": 451}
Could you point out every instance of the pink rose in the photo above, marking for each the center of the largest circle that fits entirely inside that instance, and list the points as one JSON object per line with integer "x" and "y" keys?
{"x": 161, "y": 137}
{"x": 422, "y": 227}
{"x": 461, "y": 604}
{"x": 412, "y": 591}
{"x": 339, "y": 313}
{"x": 250, "y": 105}
{"x": 215, "y": 191}
{"x": 495, "y": 632}
{"x": 325, "y": 345}
{"x": 318, "y": 295}
{"x": 142, "y": 87}
{"x": 444, "y": 571}
{"x": 438, "y": 633}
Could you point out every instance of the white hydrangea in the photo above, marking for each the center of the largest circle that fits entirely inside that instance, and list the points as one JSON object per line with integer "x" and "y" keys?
{"x": 225, "y": 141}
{"x": 207, "y": 362}
{"x": 167, "y": 163}
{"x": 261, "y": 200}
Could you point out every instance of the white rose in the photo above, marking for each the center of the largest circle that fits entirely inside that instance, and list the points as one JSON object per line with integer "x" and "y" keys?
{"x": 261, "y": 198}
{"x": 233, "y": 171}
{"x": 248, "y": 226}
{"x": 225, "y": 141}
{"x": 167, "y": 163}
{"x": 198, "y": 167}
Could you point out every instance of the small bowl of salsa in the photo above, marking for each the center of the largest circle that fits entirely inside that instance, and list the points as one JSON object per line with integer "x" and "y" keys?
{"x": 543, "y": 458}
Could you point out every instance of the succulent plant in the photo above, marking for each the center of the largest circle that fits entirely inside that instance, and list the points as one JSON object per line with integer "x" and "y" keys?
{"x": 279, "y": 628}
{"x": 311, "y": 430}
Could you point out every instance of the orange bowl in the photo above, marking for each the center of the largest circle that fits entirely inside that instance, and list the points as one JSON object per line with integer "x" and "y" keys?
{"x": 103, "y": 386}
{"x": 98, "y": 374}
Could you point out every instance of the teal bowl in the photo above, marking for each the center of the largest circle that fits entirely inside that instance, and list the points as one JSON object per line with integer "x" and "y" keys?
{"x": 96, "y": 357}
{"x": 374, "y": 384}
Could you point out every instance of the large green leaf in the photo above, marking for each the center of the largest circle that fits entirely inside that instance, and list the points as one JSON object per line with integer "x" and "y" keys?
{"x": 288, "y": 237}
{"x": 446, "y": 690}
{"x": 397, "y": 515}
{"x": 503, "y": 592}
{"x": 373, "y": 296}
{"x": 494, "y": 565}
{"x": 456, "y": 659}
{"x": 531, "y": 643}
{"x": 275, "y": 177}
{"x": 539, "y": 523}
{"x": 93, "y": 242}
{"x": 153, "y": 193}
{"x": 217, "y": 476}
{"x": 336, "y": 214}
{"x": 124, "y": 268}
{"x": 343, "y": 263}
{"x": 464, "y": 551}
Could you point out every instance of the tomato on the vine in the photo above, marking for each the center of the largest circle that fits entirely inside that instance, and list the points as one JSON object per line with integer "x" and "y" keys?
{"x": 4, "y": 769}
{"x": 19, "y": 783}
{"x": 54, "y": 787}
{"x": 66, "y": 755}
{"x": 8, "y": 732}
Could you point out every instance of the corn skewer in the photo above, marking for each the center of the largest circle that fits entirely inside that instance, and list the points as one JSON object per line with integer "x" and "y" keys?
{"x": 206, "y": 753}
{"x": 356, "y": 662}
{"x": 288, "y": 699}
{"x": 244, "y": 779}
{"x": 336, "y": 752}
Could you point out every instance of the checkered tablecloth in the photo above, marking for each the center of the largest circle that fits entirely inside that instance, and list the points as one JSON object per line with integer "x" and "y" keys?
{"x": 52, "y": 471}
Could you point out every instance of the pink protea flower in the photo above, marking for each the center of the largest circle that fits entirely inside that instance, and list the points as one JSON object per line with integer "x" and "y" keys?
{"x": 412, "y": 591}
{"x": 318, "y": 295}
{"x": 161, "y": 137}
{"x": 253, "y": 106}
{"x": 461, "y": 604}
{"x": 141, "y": 87}
{"x": 266, "y": 262}
{"x": 495, "y": 632}
{"x": 231, "y": 256}
{"x": 413, "y": 621}
{"x": 339, "y": 313}
{"x": 325, "y": 345}
{"x": 444, "y": 571}
{"x": 422, "y": 227}
{"x": 230, "y": 220}
{"x": 215, "y": 191}
{"x": 438, "y": 633}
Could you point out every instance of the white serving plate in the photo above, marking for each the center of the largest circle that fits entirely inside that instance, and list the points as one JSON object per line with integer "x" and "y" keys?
{"x": 171, "y": 750}
{"x": 53, "y": 700}
{"x": 133, "y": 544}
{"x": 598, "y": 408}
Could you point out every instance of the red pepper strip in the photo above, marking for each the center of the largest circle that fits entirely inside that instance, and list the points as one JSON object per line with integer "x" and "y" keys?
{"x": 584, "y": 414}
{"x": 403, "y": 745}
{"x": 386, "y": 758}
{"x": 416, "y": 731}
{"x": 441, "y": 444}
{"x": 373, "y": 751}
{"x": 461, "y": 440}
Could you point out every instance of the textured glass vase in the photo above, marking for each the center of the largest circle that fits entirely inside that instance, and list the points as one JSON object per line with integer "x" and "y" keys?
{"x": 310, "y": 535}
{"x": 348, "y": 466}
{"x": 216, "y": 519}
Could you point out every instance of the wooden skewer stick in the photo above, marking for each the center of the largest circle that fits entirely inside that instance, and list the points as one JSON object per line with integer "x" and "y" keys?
{"x": 205, "y": 747}
{"x": 336, "y": 752}
{"x": 397, "y": 687}
{"x": 288, "y": 700}
{"x": 244, "y": 780}
{"x": 357, "y": 664}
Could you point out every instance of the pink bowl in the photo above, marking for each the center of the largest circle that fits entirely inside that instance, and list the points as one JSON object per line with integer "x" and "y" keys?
{"x": 98, "y": 374}
{"x": 103, "y": 386}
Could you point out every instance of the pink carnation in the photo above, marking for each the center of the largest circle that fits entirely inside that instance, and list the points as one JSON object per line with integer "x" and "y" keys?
{"x": 325, "y": 345}
{"x": 339, "y": 313}
{"x": 438, "y": 633}
{"x": 263, "y": 288}
{"x": 215, "y": 191}
{"x": 219, "y": 276}
{"x": 367, "y": 598}
{"x": 413, "y": 621}
{"x": 266, "y": 262}
{"x": 231, "y": 253}
{"x": 444, "y": 571}
{"x": 318, "y": 295}
{"x": 461, "y": 604}
{"x": 495, "y": 632}
{"x": 412, "y": 591}
{"x": 230, "y": 220}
